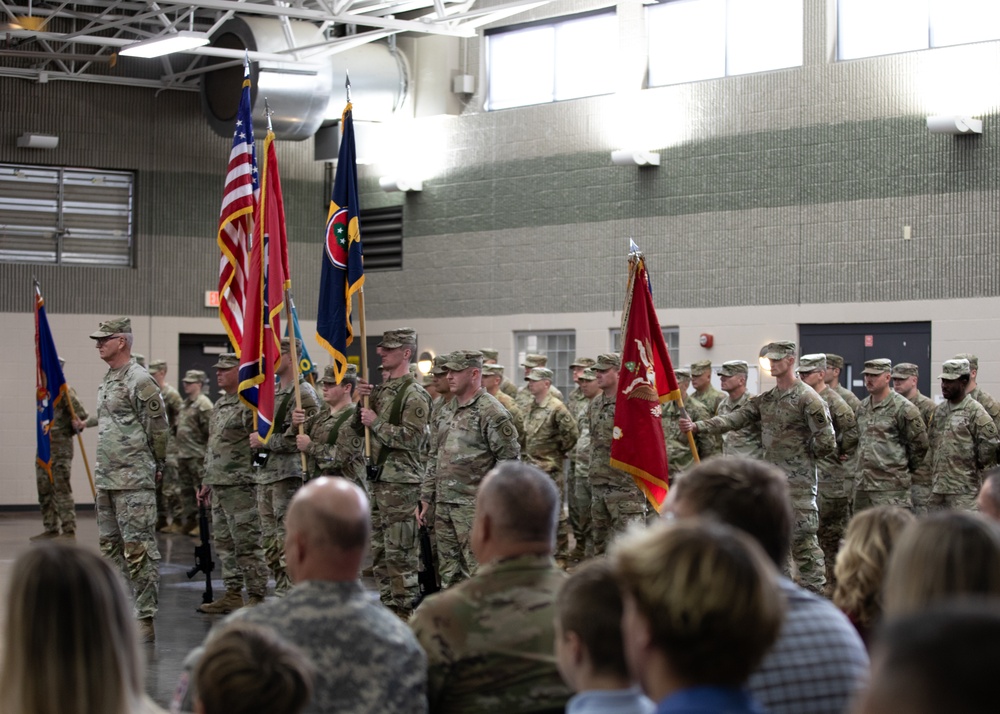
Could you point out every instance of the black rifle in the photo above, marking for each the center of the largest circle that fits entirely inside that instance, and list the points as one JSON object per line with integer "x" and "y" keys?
{"x": 426, "y": 576}
{"x": 203, "y": 562}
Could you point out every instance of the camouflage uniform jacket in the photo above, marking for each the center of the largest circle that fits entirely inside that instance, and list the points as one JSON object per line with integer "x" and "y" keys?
{"x": 795, "y": 430}
{"x": 679, "y": 456}
{"x": 284, "y": 460}
{"x": 490, "y": 640}
{"x": 471, "y": 439}
{"x": 405, "y": 444}
{"x": 227, "y": 456}
{"x": 438, "y": 406}
{"x": 551, "y": 433}
{"x": 581, "y": 452}
{"x": 131, "y": 429}
{"x": 834, "y": 473}
{"x": 964, "y": 444}
{"x": 516, "y": 416}
{"x": 926, "y": 406}
{"x": 852, "y": 399}
{"x": 346, "y": 456}
{"x": 524, "y": 398}
{"x": 991, "y": 405}
{"x": 711, "y": 398}
{"x": 508, "y": 388}
{"x": 61, "y": 429}
{"x": 192, "y": 427}
{"x": 744, "y": 442}
{"x": 601, "y": 420}
{"x": 173, "y": 401}
{"x": 892, "y": 443}
{"x": 367, "y": 660}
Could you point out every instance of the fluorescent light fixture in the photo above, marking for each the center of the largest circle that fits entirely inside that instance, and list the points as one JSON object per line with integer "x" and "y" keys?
{"x": 629, "y": 157}
{"x": 37, "y": 141}
{"x": 159, "y": 46}
{"x": 946, "y": 124}
{"x": 388, "y": 183}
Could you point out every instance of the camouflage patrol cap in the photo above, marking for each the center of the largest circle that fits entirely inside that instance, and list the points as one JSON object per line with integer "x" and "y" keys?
{"x": 121, "y": 326}
{"x": 438, "y": 369}
{"x": 955, "y": 368}
{"x": 489, "y": 353}
{"x": 877, "y": 366}
{"x": 428, "y": 380}
{"x": 460, "y": 360}
{"x": 493, "y": 370}
{"x": 779, "y": 350}
{"x": 733, "y": 367}
{"x": 539, "y": 373}
{"x": 700, "y": 367}
{"x": 683, "y": 374}
{"x": 971, "y": 358}
{"x": 813, "y": 362}
{"x": 157, "y": 365}
{"x": 588, "y": 375}
{"x": 535, "y": 360}
{"x": 141, "y": 359}
{"x": 584, "y": 362}
{"x": 834, "y": 361}
{"x": 227, "y": 360}
{"x": 286, "y": 345}
{"x": 904, "y": 370}
{"x": 606, "y": 361}
{"x": 194, "y": 376}
{"x": 400, "y": 337}
{"x": 330, "y": 378}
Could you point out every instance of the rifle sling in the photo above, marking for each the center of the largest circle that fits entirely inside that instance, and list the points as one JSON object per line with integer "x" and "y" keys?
{"x": 396, "y": 414}
{"x": 331, "y": 438}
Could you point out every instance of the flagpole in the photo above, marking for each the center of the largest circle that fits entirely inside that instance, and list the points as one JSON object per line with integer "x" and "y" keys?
{"x": 79, "y": 438}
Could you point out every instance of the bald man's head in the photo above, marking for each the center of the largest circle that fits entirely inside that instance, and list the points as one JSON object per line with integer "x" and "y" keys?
{"x": 522, "y": 502}
{"x": 329, "y": 523}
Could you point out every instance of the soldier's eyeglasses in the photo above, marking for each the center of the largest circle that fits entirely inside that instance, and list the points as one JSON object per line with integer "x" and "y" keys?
{"x": 101, "y": 341}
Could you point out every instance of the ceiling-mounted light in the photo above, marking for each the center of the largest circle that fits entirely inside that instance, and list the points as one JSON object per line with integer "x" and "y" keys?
{"x": 165, "y": 45}
{"x": 388, "y": 183}
{"x": 632, "y": 157}
{"x": 947, "y": 124}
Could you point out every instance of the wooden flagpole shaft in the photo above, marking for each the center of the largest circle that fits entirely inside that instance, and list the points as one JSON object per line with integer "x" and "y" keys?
{"x": 364, "y": 364}
{"x": 83, "y": 450}
{"x": 294, "y": 355}
{"x": 690, "y": 434}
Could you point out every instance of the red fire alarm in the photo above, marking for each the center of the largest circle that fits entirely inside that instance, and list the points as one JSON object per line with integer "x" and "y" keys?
{"x": 705, "y": 340}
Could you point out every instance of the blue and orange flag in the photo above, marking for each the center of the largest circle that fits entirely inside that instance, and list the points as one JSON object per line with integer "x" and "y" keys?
{"x": 305, "y": 361}
{"x": 343, "y": 263}
{"x": 645, "y": 381}
{"x": 50, "y": 383}
{"x": 267, "y": 281}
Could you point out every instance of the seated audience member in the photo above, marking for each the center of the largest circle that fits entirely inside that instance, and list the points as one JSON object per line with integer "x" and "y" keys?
{"x": 819, "y": 662}
{"x": 701, "y": 608}
{"x": 365, "y": 659}
{"x": 589, "y": 649}
{"x": 489, "y": 639}
{"x": 861, "y": 563}
{"x": 247, "y": 669}
{"x": 940, "y": 557}
{"x": 988, "y": 500}
{"x": 943, "y": 659}
{"x": 70, "y": 642}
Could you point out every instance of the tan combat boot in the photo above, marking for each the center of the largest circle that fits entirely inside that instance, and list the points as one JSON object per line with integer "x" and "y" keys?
{"x": 232, "y": 600}
{"x": 255, "y": 600}
{"x": 146, "y": 631}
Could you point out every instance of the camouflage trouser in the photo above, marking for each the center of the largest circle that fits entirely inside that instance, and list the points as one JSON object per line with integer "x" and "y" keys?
{"x": 236, "y": 534}
{"x": 808, "y": 566}
{"x": 920, "y": 489}
{"x": 952, "y": 502}
{"x": 562, "y": 530}
{"x": 126, "y": 524}
{"x": 834, "y": 514}
{"x": 189, "y": 475}
{"x": 168, "y": 493}
{"x": 579, "y": 507}
{"x": 612, "y": 510}
{"x": 869, "y": 499}
{"x": 453, "y": 533}
{"x": 273, "y": 500}
{"x": 55, "y": 497}
{"x": 395, "y": 549}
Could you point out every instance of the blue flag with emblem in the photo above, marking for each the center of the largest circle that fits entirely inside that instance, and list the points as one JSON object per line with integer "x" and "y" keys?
{"x": 305, "y": 361}
{"x": 50, "y": 383}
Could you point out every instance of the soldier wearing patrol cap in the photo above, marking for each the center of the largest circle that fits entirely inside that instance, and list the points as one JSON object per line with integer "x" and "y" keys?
{"x": 523, "y": 397}
{"x": 492, "y": 380}
{"x": 797, "y": 434}
{"x": 892, "y": 442}
{"x": 190, "y": 443}
{"x": 834, "y": 364}
{"x": 440, "y": 376}
{"x": 169, "y": 515}
{"x": 704, "y": 391}
{"x": 680, "y": 458}
{"x": 746, "y": 441}
{"x": 579, "y": 492}
{"x": 131, "y": 449}
{"x": 491, "y": 356}
{"x": 963, "y": 441}
{"x": 904, "y": 381}
{"x": 991, "y": 405}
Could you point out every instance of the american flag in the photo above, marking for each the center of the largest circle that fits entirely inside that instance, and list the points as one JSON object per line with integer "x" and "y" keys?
{"x": 239, "y": 202}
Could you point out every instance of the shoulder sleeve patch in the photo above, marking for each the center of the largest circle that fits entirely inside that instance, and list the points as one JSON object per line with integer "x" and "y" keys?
{"x": 154, "y": 405}
{"x": 508, "y": 430}
{"x": 420, "y": 411}
{"x": 148, "y": 390}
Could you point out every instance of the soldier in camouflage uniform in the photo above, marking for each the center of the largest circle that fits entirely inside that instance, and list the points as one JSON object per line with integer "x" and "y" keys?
{"x": 523, "y": 397}
{"x": 991, "y": 405}
{"x": 904, "y": 381}
{"x": 704, "y": 391}
{"x": 282, "y": 474}
{"x": 168, "y": 494}
{"x": 55, "y": 494}
{"x": 744, "y": 442}
{"x": 835, "y": 482}
{"x": 131, "y": 450}
{"x": 474, "y": 434}
{"x": 577, "y": 403}
{"x": 440, "y": 376}
{"x": 550, "y": 433}
{"x": 580, "y": 496}
{"x": 490, "y": 640}
{"x": 330, "y": 441}
{"x": 190, "y": 441}
{"x": 228, "y": 482}
{"x": 616, "y": 502}
{"x": 963, "y": 442}
{"x": 491, "y": 356}
{"x": 679, "y": 455}
{"x": 398, "y": 418}
{"x": 834, "y": 364}
{"x": 797, "y": 434}
{"x": 492, "y": 379}
{"x": 893, "y": 442}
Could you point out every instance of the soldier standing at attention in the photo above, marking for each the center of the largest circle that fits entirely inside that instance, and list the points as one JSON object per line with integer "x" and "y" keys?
{"x": 963, "y": 441}
{"x": 475, "y": 434}
{"x": 616, "y": 501}
{"x": 578, "y": 488}
{"x": 550, "y": 433}
{"x": 398, "y": 419}
{"x": 229, "y": 484}
{"x": 744, "y": 442}
{"x": 893, "y": 442}
{"x": 55, "y": 496}
{"x": 797, "y": 434}
{"x": 835, "y": 482}
{"x": 281, "y": 474}
{"x": 191, "y": 439}
{"x": 991, "y": 405}
{"x": 679, "y": 455}
{"x": 523, "y": 397}
{"x": 704, "y": 392}
{"x": 491, "y": 356}
{"x": 492, "y": 376}
{"x": 904, "y": 381}
{"x": 131, "y": 449}
{"x": 441, "y": 386}
{"x": 577, "y": 403}
{"x": 834, "y": 364}
{"x": 168, "y": 495}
